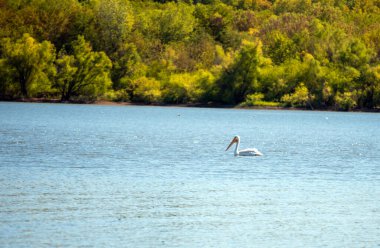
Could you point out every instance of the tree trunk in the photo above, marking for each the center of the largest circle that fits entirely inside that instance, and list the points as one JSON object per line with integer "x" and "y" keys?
{"x": 24, "y": 90}
{"x": 66, "y": 97}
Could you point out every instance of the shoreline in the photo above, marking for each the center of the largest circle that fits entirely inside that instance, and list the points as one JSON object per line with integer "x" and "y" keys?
{"x": 182, "y": 105}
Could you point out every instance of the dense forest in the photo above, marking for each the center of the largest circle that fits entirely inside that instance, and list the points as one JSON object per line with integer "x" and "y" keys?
{"x": 301, "y": 53}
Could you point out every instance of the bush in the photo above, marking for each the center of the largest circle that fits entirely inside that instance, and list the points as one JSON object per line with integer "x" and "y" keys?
{"x": 345, "y": 101}
{"x": 300, "y": 97}
{"x": 256, "y": 99}
{"x": 117, "y": 96}
{"x": 147, "y": 90}
{"x": 189, "y": 87}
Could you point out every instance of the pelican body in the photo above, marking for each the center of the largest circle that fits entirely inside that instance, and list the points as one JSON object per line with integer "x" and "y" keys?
{"x": 245, "y": 152}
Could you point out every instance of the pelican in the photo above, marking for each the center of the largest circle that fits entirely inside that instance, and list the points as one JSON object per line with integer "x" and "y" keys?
{"x": 245, "y": 152}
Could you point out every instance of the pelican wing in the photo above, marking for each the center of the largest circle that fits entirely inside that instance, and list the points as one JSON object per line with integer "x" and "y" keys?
{"x": 250, "y": 152}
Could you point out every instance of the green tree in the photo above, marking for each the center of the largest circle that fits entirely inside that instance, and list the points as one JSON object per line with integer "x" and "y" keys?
{"x": 282, "y": 6}
{"x": 114, "y": 20}
{"x": 192, "y": 87}
{"x": 30, "y": 62}
{"x": 52, "y": 20}
{"x": 355, "y": 54}
{"x": 171, "y": 22}
{"x": 83, "y": 73}
{"x": 176, "y": 22}
{"x": 198, "y": 52}
{"x": 146, "y": 90}
{"x": 376, "y": 86}
{"x": 280, "y": 47}
{"x": 242, "y": 76}
{"x": 7, "y": 89}
{"x": 217, "y": 19}
{"x": 300, "y": 97}
{"x": 345, "y": 101}
{"x": 195, "y": 50}
{"x": 127, "y": 66}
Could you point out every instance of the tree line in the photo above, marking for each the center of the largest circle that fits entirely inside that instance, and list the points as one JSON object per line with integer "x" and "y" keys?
{"x": 300, "y": 53}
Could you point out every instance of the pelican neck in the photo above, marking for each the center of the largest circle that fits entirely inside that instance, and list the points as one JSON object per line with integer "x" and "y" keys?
{"x": 237, "y": 148}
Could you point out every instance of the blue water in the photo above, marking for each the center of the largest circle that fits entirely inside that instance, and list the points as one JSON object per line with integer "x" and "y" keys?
{"x": 124, "y": 176}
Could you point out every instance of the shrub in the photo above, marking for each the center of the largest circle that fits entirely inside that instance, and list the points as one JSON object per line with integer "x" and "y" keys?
{"x": 345, "y": 101}
{"x": 256, "y": 99}
{"x": 147, "y": 90}
{"x": 300, "y": 97}
{"x": 117, "y": 96}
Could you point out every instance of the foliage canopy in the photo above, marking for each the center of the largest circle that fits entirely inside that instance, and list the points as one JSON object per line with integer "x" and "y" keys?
{"x": 311, "y": 54}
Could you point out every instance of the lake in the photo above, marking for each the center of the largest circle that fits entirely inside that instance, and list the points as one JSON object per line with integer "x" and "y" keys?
{"x": 137, "y": 176}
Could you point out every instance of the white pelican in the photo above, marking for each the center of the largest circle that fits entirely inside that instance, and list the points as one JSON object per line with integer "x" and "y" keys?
{"x": 245, "y": 152}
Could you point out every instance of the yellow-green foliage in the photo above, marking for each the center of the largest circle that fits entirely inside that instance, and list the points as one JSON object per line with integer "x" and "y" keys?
{"x": 375, "y": 75}
{"x": 222, "y": 58}
{"x": 114, "y": 21}
{"x": 299, "y": 98}
{"x": 83, "y": 74}
{"x": 117, "y": 96}
{"x": 29, "y": 64}
{"x": 169, "y": 23}
{"x": 318, "y": 54}
{"x": 345, "y": 101}
{"x": 147, "y": 90}
{"x": 188, "y": 87}
{"x": 256, "y": 99}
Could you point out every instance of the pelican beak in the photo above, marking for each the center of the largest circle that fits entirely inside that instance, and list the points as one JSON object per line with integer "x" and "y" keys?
{"x": 233, "y": 141}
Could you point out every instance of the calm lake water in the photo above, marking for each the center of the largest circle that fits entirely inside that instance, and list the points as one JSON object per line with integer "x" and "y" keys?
{"x": 129, "y": 176}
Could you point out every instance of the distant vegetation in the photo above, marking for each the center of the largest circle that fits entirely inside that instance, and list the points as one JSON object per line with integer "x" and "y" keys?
{"x": 301, "y": 53}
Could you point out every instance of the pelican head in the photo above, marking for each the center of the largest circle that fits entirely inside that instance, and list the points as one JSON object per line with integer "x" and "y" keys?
{"x": 236, "y": 139}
